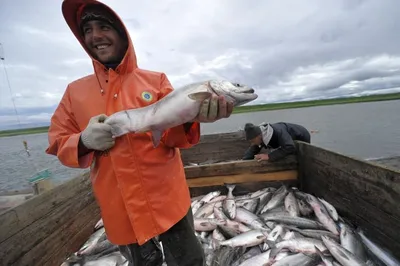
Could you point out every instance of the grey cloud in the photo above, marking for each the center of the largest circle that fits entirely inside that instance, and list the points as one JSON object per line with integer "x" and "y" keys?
{"x": 7, "y": 111}
{"x": 134, "y": 23}
{"x": 288, "y": 50}
{"x": 355, "y": 75}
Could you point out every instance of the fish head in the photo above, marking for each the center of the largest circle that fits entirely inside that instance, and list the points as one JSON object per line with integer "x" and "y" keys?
{"x": 236, "y": 93}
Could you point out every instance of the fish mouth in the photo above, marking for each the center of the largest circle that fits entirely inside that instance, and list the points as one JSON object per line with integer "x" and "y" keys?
{"x": 238, "y": 91}
{"x": 249, "y": 90}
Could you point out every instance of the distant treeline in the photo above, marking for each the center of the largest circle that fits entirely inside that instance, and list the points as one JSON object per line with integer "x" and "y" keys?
{"x": 300, "y": 104}
{"x": 252, "y": 108}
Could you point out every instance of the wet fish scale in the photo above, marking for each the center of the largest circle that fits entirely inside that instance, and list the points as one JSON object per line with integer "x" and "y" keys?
{"x": 322, "y": 216}
{"x": 342, "y": 255}
{"x": 300, "y": 222}
{"x": 277, "y": 198}
{"x": 350, "y": 241}
{"x": 250, "y": 219}
{"x": 207, "y": 224}
{"x": 247, "y": 239}
{"x": 250, "y": 204}
{"x": 304, "y": 245}
{"x": 291, "y": 205}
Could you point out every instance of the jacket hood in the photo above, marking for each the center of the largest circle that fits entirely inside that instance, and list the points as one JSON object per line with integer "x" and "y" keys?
{"x": 72, "y": 9}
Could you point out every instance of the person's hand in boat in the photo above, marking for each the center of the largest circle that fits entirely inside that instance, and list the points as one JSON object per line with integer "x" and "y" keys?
{"x": 261, "y": 157}
{"x": 97, "y": 135}
{"x": 214, "y": 109}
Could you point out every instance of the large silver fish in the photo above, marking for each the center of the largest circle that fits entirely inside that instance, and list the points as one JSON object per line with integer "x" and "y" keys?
{"x": 383, "y": 254}
{"x": 350, "y": 241}
{"x": 180, "y": 106}
{"x": 247, "y": 239}
{"x": 342, "y": 255}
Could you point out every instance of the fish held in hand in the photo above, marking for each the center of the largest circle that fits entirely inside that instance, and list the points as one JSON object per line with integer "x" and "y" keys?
{"x": 178, "y": 107}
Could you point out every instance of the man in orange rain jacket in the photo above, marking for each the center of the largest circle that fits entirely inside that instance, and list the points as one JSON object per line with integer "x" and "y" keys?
{"x": 141, "y": 190}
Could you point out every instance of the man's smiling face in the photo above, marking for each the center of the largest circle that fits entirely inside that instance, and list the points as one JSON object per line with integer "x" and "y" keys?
{"x": 104, "y": 42}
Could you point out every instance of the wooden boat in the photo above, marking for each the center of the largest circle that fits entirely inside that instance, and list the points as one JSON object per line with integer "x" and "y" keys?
{"x": 231, "y": 146}
{"x": 216, "y": 148}
{"x": 46, "y": 229}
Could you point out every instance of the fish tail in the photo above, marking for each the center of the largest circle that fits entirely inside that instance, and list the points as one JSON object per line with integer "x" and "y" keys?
{"x": 230, "y": 187}
{"x": 274, "y": 250}
{"x": 290, "y": 188}
{"x": 319, "y": 252}
{"x": 215, "y": 243}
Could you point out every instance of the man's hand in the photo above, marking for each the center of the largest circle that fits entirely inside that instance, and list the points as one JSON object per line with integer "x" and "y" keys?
{"x": 97, "y": 135}
{"x": 214, "y": 109}
{"x": 261, "y": 157}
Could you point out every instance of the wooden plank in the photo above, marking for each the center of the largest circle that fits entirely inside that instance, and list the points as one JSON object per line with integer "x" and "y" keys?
{"x": 389, "y": 162}
{"x": 68, "y": 238}
{"x": 47, "y": 228}
{"x": 34, "y": 223}
{"x": 242, "y": 178}
{"x": 240, "y": 167}
{"x": 216, "y": 148}
{"x": 35, "y": 208}
{"x": 366, "y": 193}
{"x": 222, "y": 137}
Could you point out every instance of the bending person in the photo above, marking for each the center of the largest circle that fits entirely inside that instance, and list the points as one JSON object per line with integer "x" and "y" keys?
{"x": 278, "y": 136}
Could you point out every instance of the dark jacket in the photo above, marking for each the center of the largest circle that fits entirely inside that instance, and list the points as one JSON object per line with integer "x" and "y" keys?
{"x": 282, "y": 141}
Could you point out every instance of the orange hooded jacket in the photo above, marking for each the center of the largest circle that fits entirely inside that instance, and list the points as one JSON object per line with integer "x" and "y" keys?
{"x": 141, "y": 190}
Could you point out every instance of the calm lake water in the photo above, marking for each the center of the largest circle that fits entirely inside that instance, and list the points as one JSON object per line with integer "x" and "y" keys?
{"x": 364, "y": 130}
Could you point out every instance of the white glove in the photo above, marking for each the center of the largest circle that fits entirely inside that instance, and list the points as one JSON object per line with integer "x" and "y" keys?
{"x": 97, "y": 135}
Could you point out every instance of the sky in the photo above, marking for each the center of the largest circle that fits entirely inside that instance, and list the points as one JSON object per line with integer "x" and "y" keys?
{"x": 287, "y": 50}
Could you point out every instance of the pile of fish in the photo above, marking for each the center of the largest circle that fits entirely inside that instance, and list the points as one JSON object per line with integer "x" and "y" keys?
{"x": 273, "y": 226}
{"x": 97, "y": 250}
{"x": 283, "y": 226}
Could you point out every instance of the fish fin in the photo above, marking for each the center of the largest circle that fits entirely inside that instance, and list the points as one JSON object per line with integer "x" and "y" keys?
{"x": 156, "y": 137}
{"x": 342, "y": 254}
{"x": 230, "y": 186}
{"x": 369, "y": 263}
{"x": 290, "y": 227}
{"x": 274, "y": 249}
{"x": 200, "y": 96}
{"x": 215, "y": 243}
{"x": 291, "y": 189}
{"x": 270, "y": 243}
{"x": 319, "y": 252}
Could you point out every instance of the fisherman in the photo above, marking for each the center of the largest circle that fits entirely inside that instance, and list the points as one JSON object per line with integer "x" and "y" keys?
{"x": 141, "y": 190}
{"x": 279, "y": 137}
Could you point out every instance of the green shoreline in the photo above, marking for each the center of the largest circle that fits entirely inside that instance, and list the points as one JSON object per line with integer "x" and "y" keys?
{"x": 253, "y": 108}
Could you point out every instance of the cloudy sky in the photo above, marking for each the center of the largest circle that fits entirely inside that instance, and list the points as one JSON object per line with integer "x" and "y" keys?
{"x": 286, "y": 49}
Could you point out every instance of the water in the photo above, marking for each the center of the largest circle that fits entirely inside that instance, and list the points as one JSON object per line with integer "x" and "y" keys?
{"x": 364, "y": 130}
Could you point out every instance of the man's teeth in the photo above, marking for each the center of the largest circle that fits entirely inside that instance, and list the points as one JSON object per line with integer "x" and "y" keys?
{"x": 103, "y": 46}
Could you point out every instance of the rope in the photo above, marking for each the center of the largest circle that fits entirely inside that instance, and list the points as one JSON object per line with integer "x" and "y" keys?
{"x": 24, "y": 142}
